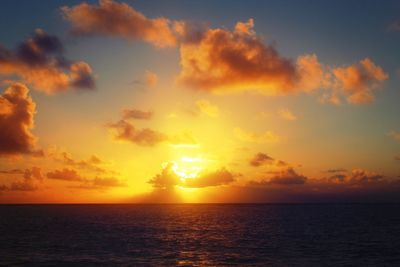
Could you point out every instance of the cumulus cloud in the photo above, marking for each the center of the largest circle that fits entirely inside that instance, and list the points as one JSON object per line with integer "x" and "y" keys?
{"x": 247, "y": 136}
{"x": 16, "y": 121}
{"x": 207, "y": 108}
{"x": 223, "y": 60}
{"x": 39, "y": 61}
{"x": 119, "y": 19}
{"x": 286, "y": 114}
{"x": 136, "y": 114}
{"x": 358, "y": 81}
{"x": 167, "y": 179}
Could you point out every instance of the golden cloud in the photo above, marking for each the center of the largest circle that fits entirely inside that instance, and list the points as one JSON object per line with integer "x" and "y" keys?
{"x": 119, "y": 19}
{"x": 16, "y": 121}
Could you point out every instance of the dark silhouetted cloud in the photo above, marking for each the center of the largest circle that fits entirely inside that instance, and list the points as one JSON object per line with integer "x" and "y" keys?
{"x": 39, "y": 61}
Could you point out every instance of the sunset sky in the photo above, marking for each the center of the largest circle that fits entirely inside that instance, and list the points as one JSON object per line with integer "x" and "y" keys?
{"x": 199, "y": 101}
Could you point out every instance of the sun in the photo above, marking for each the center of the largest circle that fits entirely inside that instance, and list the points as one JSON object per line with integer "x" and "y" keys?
{"x": 188, "y": 167}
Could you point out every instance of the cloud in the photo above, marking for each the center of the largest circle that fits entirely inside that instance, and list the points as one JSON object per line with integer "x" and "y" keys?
{"x": 168, "y": 179}
{"x": 39, "y": 61}
{"x": 65, "y": 175}
{"x": 288, "y": 176}
{"x": 358, "y": 81}
{"x": 336, "y": 170}
{"x": 17, "y": 121}
{"x": 395, "y": 135}
{"x": 260, "y": 159}
{"x": 357, "y": 177}
{"x": 29, "y": 182}
{"x": 267, "y": 137}
{"x": 286, "y": 114}
{"x": 223, "y": 61}
{"x": 125, "y": 131}
{"x": 111, "y": 18}
{"x": 71, "y": 175}
{"x": 151, "y": 79}
{"x": 136, "y": 114}
{"x": 216, "y": 178}
{"x": 207, "y": 108}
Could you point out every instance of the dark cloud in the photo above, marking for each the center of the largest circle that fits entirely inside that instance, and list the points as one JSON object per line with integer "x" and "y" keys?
{"x": 339, "y": 170}
{"x": 71, "y": 175}
{"x": 40, "y": 62}
{"x": 260, "y": 159}
{"x": 136, "y": 114}
{"x": 93, "y": 163}
{"x": 125, "y": 131}
{"x": 286, "y": 176}
{"x": 16, "y": 121}
{"x": 65, "y": 175}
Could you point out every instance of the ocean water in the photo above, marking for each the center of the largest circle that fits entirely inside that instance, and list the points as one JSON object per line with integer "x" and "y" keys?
{"x": 200, "y": 235}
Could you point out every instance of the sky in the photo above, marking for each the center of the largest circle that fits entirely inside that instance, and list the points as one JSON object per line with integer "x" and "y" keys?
{"x": 199, "y": 101}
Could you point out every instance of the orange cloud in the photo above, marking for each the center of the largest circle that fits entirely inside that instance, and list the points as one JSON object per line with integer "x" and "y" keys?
{"x": 223, "y": 60}
{"x": 358, "y": 81}
{"x": 16, "y": 121}
{"x": 39, "y": 61}
{"x": 119, "y": 19}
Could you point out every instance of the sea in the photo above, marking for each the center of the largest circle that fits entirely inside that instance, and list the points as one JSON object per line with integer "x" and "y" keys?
{"x": 200, "y": 235}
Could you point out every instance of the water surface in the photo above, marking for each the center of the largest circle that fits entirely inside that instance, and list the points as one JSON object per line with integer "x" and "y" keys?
{"x": 200, "y": 235}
